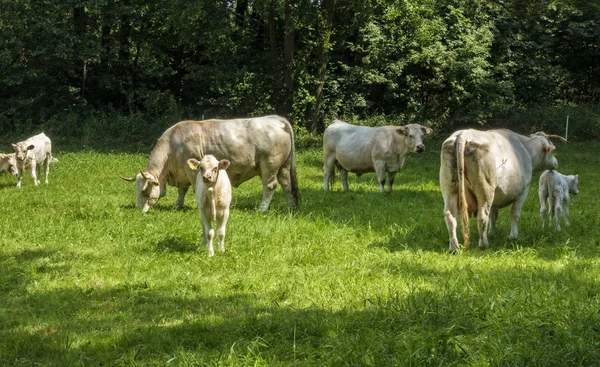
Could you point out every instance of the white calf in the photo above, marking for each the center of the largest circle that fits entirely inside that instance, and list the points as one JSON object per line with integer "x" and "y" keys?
{"x": 35, "y": 151}
{"x": 213, "y": 195}
{"x": 555, "y": 188}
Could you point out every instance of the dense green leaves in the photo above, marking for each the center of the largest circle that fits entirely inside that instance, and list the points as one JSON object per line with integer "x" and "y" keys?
{"x": 446, "y": 63}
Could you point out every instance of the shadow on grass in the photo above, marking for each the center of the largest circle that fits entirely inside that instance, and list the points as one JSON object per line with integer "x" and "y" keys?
{"x": 136, "y": 323}
{"x": 174, "y": 244}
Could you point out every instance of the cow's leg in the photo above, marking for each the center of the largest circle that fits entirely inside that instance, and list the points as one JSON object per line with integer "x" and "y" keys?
{"x": 515, "y": 214}
{"x": 269, "y": 180}
{"x": 47, "y": 167}
{"x": 493, "y": 218}
{"x": 221, "y": 228}
{"x": 343, "y": 178}
{"x": 34, "y": 172}
{"x": 566, "y": 211}
{"x": 543, "y": 210}
{"x": 284, "y": 179}
{"x": 205, "y": 222}
{"x": 380, "y": 171}
{"x": 391, "y": 177}
{"x": 483, "y": 221}
{"x": 450, "y": 215}
{"x": 181, "y": 191}
{"x": 557, "y": 211}
{"x": 328, "y": 170}
{"x": 20, "y": 167}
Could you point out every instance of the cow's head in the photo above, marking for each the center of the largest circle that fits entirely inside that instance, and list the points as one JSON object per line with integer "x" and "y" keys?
{"x": 22, "y": 150}
{"x": 8, "y": 163}
{"x": 208, "y": 168}
{"x": 573, "y": 183}
{"x": 147, "y": 189}
{"x": 543, "y": 150}
{"x": 413, "y": 136}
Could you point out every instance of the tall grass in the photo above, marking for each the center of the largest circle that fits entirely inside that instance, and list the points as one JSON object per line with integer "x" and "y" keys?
{"x": 357, "y": 278}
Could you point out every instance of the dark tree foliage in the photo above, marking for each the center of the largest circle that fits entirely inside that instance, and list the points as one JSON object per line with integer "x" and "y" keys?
{"x": 81, "y": 67}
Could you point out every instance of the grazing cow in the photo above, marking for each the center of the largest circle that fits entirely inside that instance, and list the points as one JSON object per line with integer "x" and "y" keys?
{"x": 482, "y": 171}
{"x": 8, "y": 163}
{"x": 555, "y": 188}
{"x": 262, "y": 146}
{"x": 213, "y": 195}
{"x": 35, "y": 151}
{"x": 361, "y": 149}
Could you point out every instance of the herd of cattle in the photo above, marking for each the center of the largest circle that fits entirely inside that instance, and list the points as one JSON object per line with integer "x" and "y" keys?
{"x": 480, "y": 172}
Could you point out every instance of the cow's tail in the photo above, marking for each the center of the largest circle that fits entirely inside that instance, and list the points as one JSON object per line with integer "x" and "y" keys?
{"x": 292, "y": 160}
{"x": 463, "y": 211}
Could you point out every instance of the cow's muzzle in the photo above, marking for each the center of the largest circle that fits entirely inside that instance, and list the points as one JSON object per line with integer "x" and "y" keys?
{"x": 420, "y": 148}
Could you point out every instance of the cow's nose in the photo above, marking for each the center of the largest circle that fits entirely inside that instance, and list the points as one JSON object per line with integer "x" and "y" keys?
{"x": 420, "y": 148}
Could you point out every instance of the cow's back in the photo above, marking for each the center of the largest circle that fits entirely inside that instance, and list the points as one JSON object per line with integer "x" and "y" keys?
{"x": 43, "y": 147}
{"x": 244, "y": 142}
{"x": 351, "y": 145}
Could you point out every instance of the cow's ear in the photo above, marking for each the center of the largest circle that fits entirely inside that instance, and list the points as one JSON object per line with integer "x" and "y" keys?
{"x": 30, "y": 147}
{"x": 193, "y": 163}
{"x": 426, "y": 130}
{"x": 14, "y": 146}
{"x": 150, "y": 178}
{"x": 402, "y": 130}
{"x": 223, "y": 164}
{"x": 550, "y": 148}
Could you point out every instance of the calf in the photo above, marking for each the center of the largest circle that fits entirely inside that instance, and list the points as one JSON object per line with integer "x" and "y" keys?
{"x": 35, "y": 150}
{"x": 8, "y": 163}
{"x": 213, "y": 196}
{"x": 555, "y": 188}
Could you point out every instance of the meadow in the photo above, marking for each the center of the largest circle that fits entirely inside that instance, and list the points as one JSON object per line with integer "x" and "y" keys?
{"x": 358, "y": 278}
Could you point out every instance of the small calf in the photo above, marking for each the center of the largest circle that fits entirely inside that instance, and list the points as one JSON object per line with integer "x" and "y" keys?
{"x": 555, "y": 188}
{"x": 35, "y": 151}
{"x": 213, "y": 195}
{"x": 8, "y": 163}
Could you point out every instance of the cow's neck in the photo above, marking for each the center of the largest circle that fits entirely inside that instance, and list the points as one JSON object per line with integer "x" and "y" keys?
{"x": 157, "y": 161}
{"x": 534, "y": 149}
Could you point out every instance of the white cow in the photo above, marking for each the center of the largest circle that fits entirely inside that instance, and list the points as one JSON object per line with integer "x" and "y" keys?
{"x": 35, "y": 151}
{"x": 261, "y": 146}
{"x": 482, "y": 171}
{"x": 361, "y": 149}
{"x": 555, "y": 188}
{"x": 213, "y": 195}
{"x": 8, "y": 163}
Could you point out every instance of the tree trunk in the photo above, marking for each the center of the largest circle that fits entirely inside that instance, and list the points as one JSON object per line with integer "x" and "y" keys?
{"x": 326, "y": 25}
{"x": 275, "y": 69}
{"x": 288, "y": 59}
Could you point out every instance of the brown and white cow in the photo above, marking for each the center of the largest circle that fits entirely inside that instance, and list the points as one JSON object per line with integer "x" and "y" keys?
{"x": 554, "y": 189}
{"x": 8, "y": 163}
{"x": 362, "y": 149}
{"x": 213, "y": 196}
{"x": 483, "y": 171}
{"x": 261, "y": 146}
{"x": 34, "y": 151}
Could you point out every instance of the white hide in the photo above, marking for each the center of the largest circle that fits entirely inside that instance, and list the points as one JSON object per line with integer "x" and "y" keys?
{"x": 483, "y": 171}
{"x": 554, "y": 189}
{"x": 213, "y": 196}
{"x": 361, "y": 149}
{"x": 34, "y": 151}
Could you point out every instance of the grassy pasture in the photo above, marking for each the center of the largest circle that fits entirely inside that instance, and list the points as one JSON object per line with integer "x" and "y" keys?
{"x": 357, "y": 278}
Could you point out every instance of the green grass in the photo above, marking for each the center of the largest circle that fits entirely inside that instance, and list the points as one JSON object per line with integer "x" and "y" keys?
{"x": 357, "y": 278}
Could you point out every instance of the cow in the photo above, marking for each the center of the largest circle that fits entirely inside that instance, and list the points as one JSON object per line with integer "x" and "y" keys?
{"x": 35, "y": 151}
{"x": 8, "y": 163}
{"x": 261, "y": 146}
{"x": 361, "y": 149}
{"x": 554, "y": 188}
{"x": 213, "y": 196}
{"x": 483, "y": 171}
